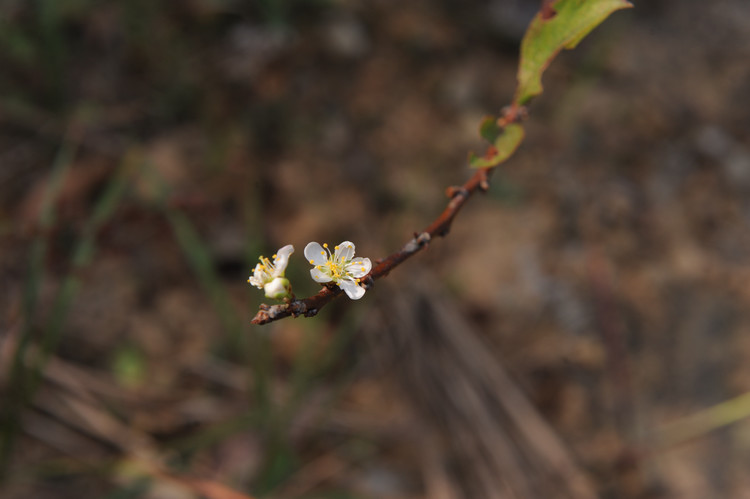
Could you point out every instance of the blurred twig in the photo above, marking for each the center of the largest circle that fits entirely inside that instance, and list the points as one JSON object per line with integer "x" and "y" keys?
{"x": 83, "y": 254}
{"x": 26, "y": 372}
{"x": 497, "y": 443}
{"x": 201, "y": 262}
{"x": 18, "y": 392}
{"x": 139, "y": 449}
{"x": 705, "y": 421}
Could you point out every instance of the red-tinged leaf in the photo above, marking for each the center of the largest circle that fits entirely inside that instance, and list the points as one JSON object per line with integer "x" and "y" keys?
{"x": 558, "y": 25}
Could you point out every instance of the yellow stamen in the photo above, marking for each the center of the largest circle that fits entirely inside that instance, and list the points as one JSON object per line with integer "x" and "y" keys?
{"x": 274, "y": 256}
{"x": 325, "y": 245}
{"x": 323, "y": 253}
{"x": 336, "y": 248}
{"x": 363, "y": 269}
{"x": 312, "y": 262}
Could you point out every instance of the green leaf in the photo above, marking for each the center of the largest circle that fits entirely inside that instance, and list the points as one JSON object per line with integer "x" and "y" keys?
{"x": 504, "y": 142}
{"x": 562, "y": 25}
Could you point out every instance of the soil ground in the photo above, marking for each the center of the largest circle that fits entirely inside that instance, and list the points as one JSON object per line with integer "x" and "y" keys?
{"x": 582, "y": 331}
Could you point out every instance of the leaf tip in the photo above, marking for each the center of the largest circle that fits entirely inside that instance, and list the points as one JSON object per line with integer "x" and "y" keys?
{"x": 547, "y": 10}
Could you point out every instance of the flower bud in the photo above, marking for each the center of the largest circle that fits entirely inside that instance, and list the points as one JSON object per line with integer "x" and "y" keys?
{"x": 278, "y": 289}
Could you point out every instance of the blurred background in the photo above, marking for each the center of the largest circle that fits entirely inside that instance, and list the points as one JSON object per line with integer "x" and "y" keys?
{"x": 583, "y": 331}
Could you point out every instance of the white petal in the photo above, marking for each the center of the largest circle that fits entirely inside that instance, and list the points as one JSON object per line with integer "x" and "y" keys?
{"x": 359, "y": 267}
{"x": 352, "y": 289}
{"x": 319, "y": 276}
{"x": 315, "y": 254}
{"x": 259, "y": 278}
{"x": 282, "y": 260}
{"x": 344, "y": 251}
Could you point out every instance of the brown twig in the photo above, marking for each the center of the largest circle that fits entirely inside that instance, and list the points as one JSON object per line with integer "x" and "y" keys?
{"x": 310, "y": 306}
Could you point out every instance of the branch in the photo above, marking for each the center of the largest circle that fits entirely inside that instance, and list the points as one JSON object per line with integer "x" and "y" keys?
{"x": 310, "y": 306}
{"x": 559, "y": 24}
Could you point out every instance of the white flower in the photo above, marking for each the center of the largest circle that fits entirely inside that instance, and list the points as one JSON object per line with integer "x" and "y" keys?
{"x": 340, "y": 267}
{"x": 270, "y": 276}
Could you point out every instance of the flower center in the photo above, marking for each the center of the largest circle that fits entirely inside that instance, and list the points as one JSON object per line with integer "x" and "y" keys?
{"x": 336, "y": 270}
{"x": 266, "y": 265}
{"x": 333, "y": 267}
